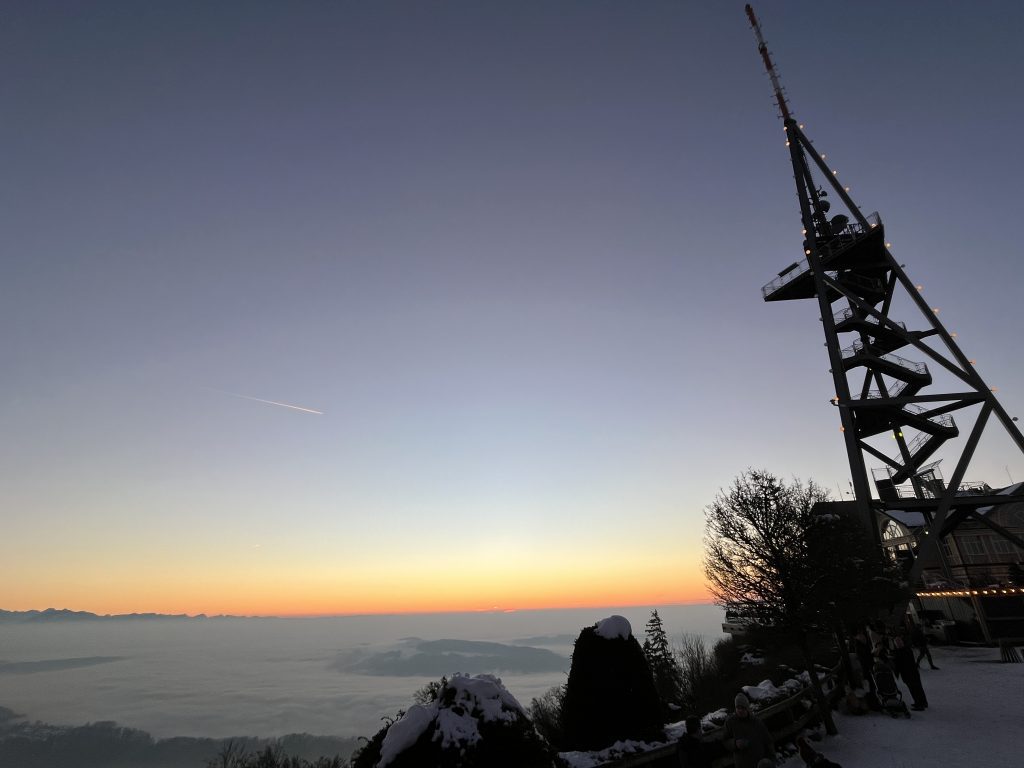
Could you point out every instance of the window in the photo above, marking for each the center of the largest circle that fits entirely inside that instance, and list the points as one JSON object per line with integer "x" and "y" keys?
{"x": 893, "y": 530}
{"x": 971, "y": 546}
{"x": 1001, "y": 546}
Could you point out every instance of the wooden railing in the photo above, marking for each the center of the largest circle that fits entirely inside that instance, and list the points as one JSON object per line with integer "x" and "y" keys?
{"x": 785, "y": 719}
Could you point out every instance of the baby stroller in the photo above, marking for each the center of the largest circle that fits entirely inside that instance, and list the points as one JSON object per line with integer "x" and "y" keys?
{"x": 888, "y": 692}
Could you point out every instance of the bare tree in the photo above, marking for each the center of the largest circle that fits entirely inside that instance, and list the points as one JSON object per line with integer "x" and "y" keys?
{"x": 697, "y": 663}
{"x": 758, "y": 561}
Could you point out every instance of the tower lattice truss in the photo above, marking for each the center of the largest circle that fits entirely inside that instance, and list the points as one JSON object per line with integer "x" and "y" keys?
{"x": 903, "y": 387}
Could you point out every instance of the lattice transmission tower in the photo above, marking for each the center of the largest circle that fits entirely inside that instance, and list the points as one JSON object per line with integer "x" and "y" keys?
{"x": 889, "y": 411}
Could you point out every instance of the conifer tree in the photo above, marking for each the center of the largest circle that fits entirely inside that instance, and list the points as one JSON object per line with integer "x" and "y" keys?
{"x": 668, "y": 677}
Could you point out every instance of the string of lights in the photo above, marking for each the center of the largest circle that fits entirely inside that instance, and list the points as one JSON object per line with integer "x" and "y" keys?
{"x": 992, "y": 592}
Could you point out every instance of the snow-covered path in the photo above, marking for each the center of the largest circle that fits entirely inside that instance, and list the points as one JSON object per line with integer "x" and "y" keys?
{"x": 975, "y": 719}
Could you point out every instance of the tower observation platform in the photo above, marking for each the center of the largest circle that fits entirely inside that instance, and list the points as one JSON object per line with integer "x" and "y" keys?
{"x": 892, "y": 411}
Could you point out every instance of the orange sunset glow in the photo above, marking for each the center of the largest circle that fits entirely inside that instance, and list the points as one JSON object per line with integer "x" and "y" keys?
{"x": 384, "y": 590}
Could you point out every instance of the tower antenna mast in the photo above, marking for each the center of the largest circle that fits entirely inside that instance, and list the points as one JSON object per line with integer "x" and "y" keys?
{"x": 769, "y": 65}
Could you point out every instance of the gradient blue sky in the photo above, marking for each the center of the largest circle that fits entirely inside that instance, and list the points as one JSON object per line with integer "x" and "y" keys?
{"x": 513, "y": 251}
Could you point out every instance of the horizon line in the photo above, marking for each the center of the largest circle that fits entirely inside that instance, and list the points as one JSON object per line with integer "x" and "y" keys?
{"x": 203, "y": 614}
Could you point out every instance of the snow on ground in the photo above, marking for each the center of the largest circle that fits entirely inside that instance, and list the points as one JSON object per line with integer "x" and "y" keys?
{"x": 616, "y": 751}
{"x": 974, "y": 720}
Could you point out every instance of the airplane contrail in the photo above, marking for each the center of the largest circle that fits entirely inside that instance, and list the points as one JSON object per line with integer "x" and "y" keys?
{"x": 268, "y": 402}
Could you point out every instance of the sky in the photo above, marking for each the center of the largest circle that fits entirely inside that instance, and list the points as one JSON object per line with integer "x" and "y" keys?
{"x": 507, "y": 256}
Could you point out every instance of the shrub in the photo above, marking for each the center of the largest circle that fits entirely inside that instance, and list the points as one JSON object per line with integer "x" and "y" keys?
{"x": 235, "y": 756}
{"x": 472, "y": 722}
{"x": 546, "y": 714}
{"x": 610, "y": 694}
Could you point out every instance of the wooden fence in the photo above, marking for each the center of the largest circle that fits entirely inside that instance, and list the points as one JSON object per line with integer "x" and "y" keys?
{"x": 784, "y": 719}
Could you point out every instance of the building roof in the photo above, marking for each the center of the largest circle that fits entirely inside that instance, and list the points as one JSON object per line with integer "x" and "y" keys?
{"x": 905, "y": 517}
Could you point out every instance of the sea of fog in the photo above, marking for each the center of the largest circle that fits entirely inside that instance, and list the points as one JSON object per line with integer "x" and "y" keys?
{"x": 268, "y": 677}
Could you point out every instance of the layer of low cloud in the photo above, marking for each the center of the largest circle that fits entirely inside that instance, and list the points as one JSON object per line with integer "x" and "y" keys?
{"x": 53, "y": 665}
{"x": 220, "y": 678}
{"x": 546, "y": 640}
{"x": 432, "y": 658}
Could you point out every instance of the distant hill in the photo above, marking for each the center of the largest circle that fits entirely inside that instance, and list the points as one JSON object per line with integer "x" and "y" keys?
{"x": 62, "y": 614}
{"x": 105, "y": 744}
